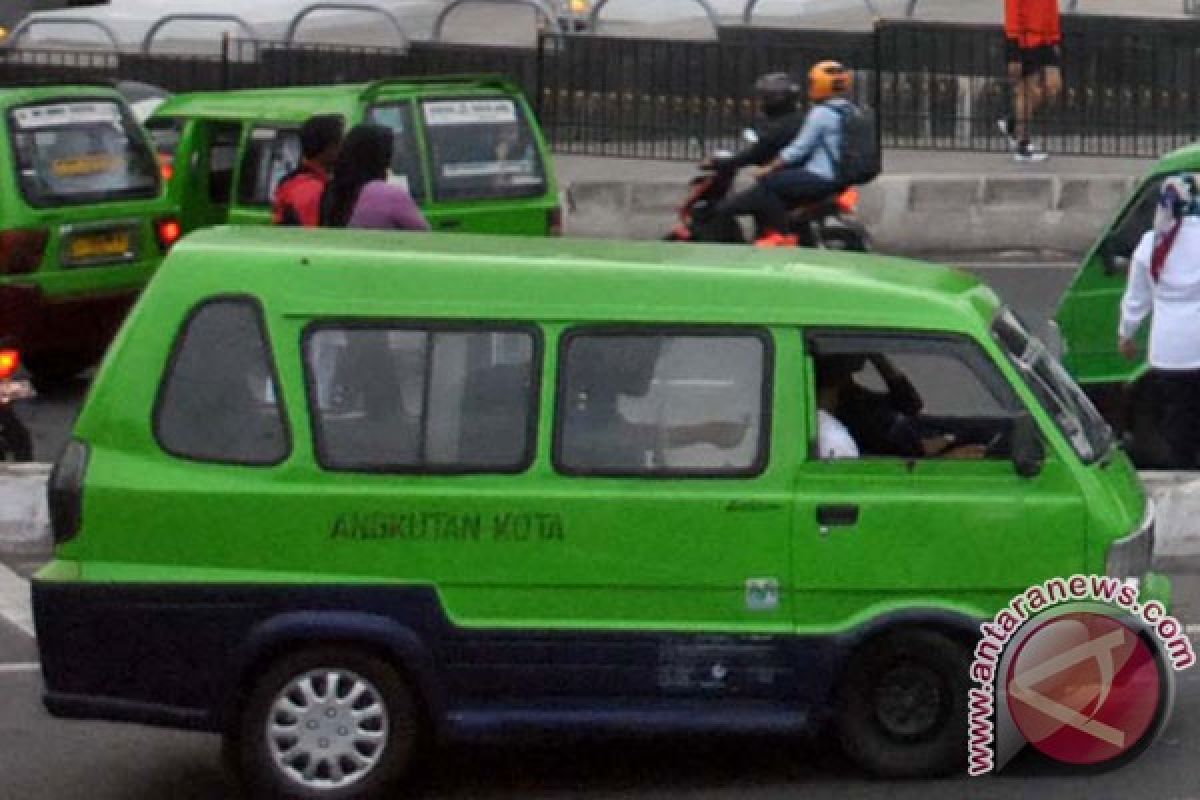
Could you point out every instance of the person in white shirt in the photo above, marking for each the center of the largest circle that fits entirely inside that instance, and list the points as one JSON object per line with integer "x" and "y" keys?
{"x": 833, "y": 437}
{"x": 1164, "y": 284}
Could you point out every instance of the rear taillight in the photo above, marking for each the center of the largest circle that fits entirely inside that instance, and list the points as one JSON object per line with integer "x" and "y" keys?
{"x": 10, "y": 362}
{"x": 21, "y": 250}
{"x": 168, "y": 232}
{"x": 554, "y": 221}
{"x": 166, "y": 165}
{"x": 64, "y": 491}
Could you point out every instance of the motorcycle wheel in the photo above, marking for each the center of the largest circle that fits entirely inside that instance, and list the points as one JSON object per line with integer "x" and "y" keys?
{"x": 845, "y": 239}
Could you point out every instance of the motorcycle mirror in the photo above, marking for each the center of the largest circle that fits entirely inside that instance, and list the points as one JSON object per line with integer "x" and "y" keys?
{"x": 750, "y": 136}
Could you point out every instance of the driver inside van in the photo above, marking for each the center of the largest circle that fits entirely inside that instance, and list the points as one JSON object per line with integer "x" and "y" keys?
{"x": 884, "y": 424}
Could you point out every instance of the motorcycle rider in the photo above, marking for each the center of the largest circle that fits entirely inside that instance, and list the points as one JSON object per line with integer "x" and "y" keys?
{"x": 806, "y": 170}
{"x": 777, "y": 94}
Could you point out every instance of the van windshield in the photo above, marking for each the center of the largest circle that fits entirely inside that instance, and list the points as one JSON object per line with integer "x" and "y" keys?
{"x": 80, "y": 151}
{"x": 482, "y": 148}
{"x": 1073, "y": 412}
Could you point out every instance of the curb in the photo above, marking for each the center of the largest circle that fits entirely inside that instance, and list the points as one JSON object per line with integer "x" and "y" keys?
{"x": 25, "y": 522}
{"x": 906, "y": 214}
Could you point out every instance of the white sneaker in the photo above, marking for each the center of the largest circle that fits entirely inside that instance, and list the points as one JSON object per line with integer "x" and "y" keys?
{"x": 1030, "y": 154}
{"x": 1006, "y": 125}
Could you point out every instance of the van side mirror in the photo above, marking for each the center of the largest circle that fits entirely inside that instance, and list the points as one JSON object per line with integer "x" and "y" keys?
{"x": 1028, "y": 451}
{"x": 1115, "y": 262}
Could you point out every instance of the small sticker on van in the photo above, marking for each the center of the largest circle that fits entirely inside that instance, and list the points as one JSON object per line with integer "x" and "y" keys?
{"x": 470, "y": 112}
{"x": 49, "y": 116}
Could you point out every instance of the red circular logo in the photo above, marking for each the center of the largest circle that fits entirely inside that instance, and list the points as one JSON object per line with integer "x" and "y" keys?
{"x": 1084, "y": 688}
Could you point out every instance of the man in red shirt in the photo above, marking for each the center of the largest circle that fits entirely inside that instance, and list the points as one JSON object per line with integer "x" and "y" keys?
{"x": 298, "y": 197}
{"x": 1033, "y": 30}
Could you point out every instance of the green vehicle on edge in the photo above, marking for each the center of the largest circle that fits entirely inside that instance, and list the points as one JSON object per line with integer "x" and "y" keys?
{"x": 83, "y": 222}
{"x": 340, "y": 495}
{"x": 1089, "y": 312}
{"x": 468, "y": 148}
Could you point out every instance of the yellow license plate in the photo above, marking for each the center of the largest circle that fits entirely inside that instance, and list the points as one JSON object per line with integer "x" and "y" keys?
{"x": 100, "y": 246}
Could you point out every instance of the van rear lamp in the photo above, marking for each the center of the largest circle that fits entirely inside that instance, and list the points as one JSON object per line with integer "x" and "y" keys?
{"x": 64, "y": 491}
{"x": 21, "y": 250}
{"x": 554, "y": 221}
{"x": 166, "y": 165}
{"x": 10, "y": 362}
{"x": 168, "y": 231}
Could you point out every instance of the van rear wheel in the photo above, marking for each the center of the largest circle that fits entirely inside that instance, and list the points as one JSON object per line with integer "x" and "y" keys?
{"x": 331, "y": 723}
{"x": 902, "y": 706}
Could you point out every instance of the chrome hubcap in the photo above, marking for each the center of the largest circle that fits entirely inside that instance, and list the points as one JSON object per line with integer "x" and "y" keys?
{"x": 327, "y": 729}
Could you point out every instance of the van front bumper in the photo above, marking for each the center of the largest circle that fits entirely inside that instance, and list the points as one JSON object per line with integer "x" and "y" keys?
{"x": 39, "y": 323}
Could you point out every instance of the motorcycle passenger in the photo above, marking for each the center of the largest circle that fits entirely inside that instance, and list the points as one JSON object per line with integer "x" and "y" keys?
{"x": 777, "y": 96}
{"x": 806, "y": 170}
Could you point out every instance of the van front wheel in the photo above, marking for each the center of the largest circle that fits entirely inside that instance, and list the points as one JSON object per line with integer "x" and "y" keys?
{"x": 902, "y": 706}
{"x": 330, "y": 723}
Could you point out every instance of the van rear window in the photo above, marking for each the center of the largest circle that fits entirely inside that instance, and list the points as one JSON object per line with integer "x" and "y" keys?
{"x": 482, "y": 148}
{"x": 663, "y": 404}
{"x": 80, "y": 151}
{"x": 412, "y": 399}
{"x": 219, "y": 400}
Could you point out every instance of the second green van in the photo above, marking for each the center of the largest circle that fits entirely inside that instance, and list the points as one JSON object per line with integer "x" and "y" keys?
{"x": 468, "y": 148}
{"x": 338, "y": 495}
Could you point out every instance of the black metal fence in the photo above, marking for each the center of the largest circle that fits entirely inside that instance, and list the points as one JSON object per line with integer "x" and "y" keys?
{"x": 1132, "y": 86}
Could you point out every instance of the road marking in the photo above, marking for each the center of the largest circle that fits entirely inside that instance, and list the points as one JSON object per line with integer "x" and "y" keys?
{"x": 13, "y": 668}
{"x": 14, "y": 600}
{"x": 1192, "y": 630}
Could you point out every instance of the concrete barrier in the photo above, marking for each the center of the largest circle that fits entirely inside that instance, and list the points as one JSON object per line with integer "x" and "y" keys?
{"x": 906, "y": 214}
{"x": 25, "y": 525}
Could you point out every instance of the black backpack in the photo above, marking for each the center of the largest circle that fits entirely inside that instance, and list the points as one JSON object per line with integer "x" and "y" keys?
{"x": 860, "y": 161}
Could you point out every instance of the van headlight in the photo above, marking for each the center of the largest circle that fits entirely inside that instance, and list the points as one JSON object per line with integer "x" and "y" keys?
{"x": 1133, "y": 556}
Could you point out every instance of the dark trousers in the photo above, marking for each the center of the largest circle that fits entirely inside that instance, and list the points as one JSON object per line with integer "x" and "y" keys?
{"x": 1179, "y": 397}
{"x": 750, "y": 202}
{"x": 788, "y": 188}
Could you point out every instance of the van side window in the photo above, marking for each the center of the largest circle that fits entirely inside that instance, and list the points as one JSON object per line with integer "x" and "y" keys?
{"x": 914, "y": 396}
{"x": 406, "y": 158}
{"x": 220, "y": 397}
{"x": 412, "y": 399}
{"x": 271, "y": 155}
{"x": 222, "y": 157}
{"x": 652, "y": 404}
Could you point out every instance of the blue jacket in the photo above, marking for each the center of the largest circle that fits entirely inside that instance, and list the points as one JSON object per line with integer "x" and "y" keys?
{"x": 819, "y": 143}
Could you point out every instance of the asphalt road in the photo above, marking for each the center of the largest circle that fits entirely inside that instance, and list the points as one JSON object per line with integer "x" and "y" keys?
{"x": 48, "y": 759}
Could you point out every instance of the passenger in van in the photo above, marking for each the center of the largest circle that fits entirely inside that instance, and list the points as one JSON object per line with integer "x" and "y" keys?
{"x": 597, "y": 435}
{"x": 834, "y": 441}
{"x": 298, "y": 198}
{"x": 359, "y": 195}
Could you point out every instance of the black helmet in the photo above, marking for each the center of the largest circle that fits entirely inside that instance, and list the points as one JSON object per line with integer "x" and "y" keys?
{"x": 777, "y": 93}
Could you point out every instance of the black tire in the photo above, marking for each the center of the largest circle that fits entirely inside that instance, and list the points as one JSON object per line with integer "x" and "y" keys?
{"x": 249, "y": 750}
{"x": 50, "y": 372}
{"x": 846, "y": 239}
{"x": 902, "y": 705}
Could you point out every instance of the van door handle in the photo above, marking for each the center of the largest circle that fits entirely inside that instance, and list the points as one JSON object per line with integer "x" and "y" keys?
{"x": 836, "y": 517}
{"x": 449, "y": 224}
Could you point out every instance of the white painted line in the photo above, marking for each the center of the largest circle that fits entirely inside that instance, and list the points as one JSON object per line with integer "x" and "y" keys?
{"x": 27, "y": 667}
{"x": 15, "y": 603}
{"x": 1192, "y": 630}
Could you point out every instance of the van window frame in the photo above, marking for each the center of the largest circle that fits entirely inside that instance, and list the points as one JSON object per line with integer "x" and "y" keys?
{"x": 177, "y": 343}
{"x": 951, "y": 344}
{"x": 762, "y": 459}
{"x": 428, "y": 326}
{"x": 276, "y": 128}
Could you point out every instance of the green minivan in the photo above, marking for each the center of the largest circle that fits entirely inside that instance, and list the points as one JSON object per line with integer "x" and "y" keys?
{"x": 83, "y": 222}
{"x": 339, "y": 495}
{"x": 1088, "y": 314}
{"x": 468, "y": 148}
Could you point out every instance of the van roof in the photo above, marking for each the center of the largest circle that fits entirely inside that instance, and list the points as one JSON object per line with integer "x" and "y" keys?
{"x": 36, "y": 91}
{"x": 1185, "y": 159}
{"x": 299, "y": 102}
{"x": 373, "y": 273}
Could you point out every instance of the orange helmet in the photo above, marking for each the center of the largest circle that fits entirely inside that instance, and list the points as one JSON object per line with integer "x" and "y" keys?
{"x": 829, "y": 79}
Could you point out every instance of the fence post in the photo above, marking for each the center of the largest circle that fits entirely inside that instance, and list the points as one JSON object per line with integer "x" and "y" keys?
{"x": 877, "y": 42}
{"x": 538, "y": 81}
{"x": 225, "y": 69}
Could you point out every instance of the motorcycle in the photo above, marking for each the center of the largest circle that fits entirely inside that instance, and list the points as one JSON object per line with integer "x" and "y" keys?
{"x": 16, "y": 443}
{"x": 831, "y": 224}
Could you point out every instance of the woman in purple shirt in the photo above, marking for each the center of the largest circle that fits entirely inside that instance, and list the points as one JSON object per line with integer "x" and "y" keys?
{"x": 359, "y": 195}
